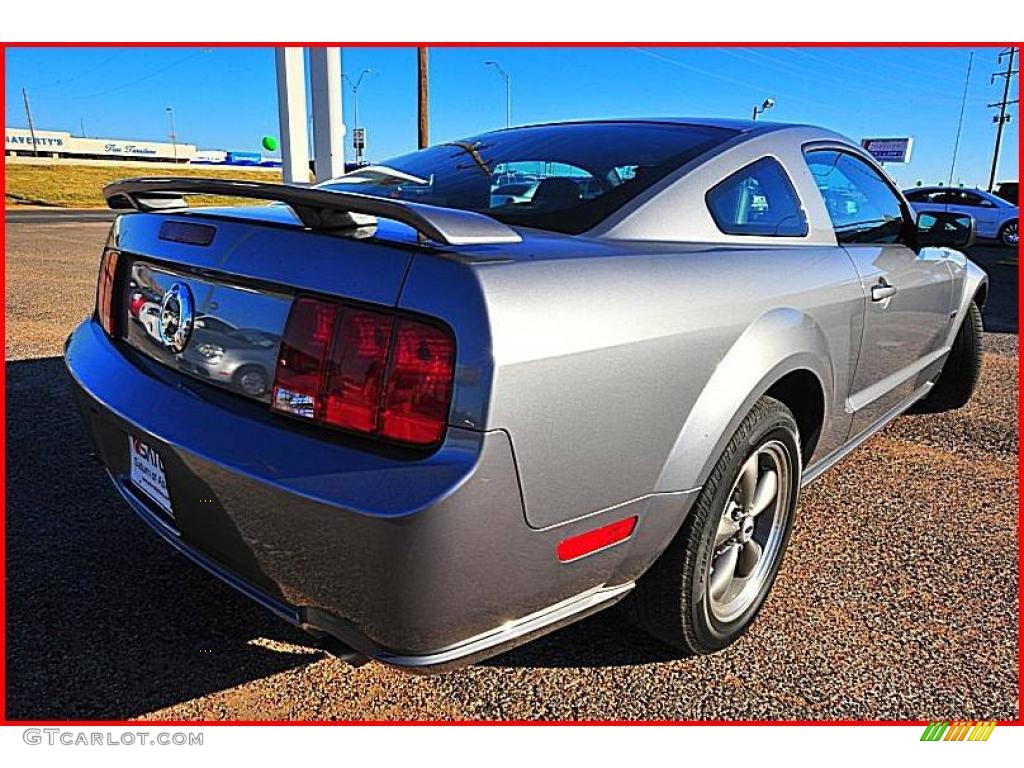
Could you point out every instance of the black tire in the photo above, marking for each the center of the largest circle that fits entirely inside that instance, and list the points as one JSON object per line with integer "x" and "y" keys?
{"x": 960, "y": 373}
{"x": 672, "y": 600}
{"x": 1009, "y": 234}
{"x": 251, "y": 380}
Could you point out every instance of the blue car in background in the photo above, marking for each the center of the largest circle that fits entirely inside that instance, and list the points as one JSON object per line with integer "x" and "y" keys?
{"x": 994, "y": 217}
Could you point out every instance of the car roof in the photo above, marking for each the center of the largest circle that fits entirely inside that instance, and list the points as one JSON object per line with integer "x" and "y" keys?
{"x": 740, "y": 126}
{"x": 946, "y": 189}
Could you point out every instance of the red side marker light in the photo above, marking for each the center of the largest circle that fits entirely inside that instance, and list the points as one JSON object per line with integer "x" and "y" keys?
{"x": 576, "y": 547}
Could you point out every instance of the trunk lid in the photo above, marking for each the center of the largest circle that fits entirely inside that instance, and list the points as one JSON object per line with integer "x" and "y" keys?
{"x": 238, "y": 271}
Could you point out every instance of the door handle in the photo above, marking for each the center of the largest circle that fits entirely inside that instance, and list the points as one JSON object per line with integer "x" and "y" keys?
{"x": 882, "y": 291}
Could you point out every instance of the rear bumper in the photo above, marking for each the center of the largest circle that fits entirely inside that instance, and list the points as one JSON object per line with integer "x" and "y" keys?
{"x": 420, "y": 561}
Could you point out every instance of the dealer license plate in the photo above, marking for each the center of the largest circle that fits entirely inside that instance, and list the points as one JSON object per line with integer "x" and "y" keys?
{"x": 147, "y": 473}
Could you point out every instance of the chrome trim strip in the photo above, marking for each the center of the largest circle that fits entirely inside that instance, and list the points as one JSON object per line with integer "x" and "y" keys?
{"x": 553, "y": 614}
{"x": 511, "y": 630}
{"x": 868, "y": 395}
{"x": 819, "y": 467}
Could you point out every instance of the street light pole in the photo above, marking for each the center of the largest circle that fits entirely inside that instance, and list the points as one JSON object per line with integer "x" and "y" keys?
{"x": 31, "y": 125}
{"x": 174, "y": 139}
{"x": 768, "y": 104}
{"x": 355, "y": 111}
{"x": 508, "y": 90}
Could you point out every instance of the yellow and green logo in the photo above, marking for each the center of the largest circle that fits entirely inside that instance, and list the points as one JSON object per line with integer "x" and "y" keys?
{"x": 959, "y": 730}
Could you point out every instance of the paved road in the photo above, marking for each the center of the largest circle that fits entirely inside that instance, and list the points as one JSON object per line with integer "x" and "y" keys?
{"x": 57, "y": 215}
{"x": 898, "y": 597}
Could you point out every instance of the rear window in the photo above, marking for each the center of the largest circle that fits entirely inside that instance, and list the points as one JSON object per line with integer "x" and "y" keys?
{"x": 564, "y": 178}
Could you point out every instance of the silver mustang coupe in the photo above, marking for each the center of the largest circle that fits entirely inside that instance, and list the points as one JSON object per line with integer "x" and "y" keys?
{"x": 483, "y": 416}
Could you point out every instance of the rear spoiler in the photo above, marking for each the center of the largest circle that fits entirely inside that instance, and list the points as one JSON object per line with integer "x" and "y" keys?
{"x": 320, "y": 209}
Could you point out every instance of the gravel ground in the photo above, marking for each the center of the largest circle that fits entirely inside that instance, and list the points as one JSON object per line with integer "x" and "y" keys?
{"x": 898, "y": 597}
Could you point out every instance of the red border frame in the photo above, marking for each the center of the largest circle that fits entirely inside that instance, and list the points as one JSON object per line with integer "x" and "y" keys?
{"x": 460, "y": 44}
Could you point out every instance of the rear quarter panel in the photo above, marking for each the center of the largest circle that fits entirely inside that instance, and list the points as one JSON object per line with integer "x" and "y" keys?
{"x": 617, "y": 374}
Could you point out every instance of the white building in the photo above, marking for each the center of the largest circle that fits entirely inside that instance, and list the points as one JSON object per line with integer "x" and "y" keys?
{"x": 18, "y": 141}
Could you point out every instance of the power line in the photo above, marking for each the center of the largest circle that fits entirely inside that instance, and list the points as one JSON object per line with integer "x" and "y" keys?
{"x": 916, "y": 69}
{"x": 960, "y": 124}
{"x": 106, "y": 60}
{"x": 742, "y": 83}
{"x": 142, "y": 79}
{"x": 886, "y": 92}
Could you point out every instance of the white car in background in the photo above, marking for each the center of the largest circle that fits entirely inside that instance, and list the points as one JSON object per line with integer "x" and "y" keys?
{"x": 514, "y": 192}
{"x": 994, "y": 217}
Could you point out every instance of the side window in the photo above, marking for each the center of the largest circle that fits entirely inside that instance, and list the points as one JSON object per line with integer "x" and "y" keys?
{"x": 929, "y": 196}
{"x": 862, "y": 206}
{"x": 969, "y": 199}
{"x": 757, "y": 200}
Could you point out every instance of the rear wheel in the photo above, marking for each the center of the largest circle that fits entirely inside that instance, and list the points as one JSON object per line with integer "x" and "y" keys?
{"x": 959, "y": 375}
{"x": 706, "y": 588}
{"x": 1009, "y": 234}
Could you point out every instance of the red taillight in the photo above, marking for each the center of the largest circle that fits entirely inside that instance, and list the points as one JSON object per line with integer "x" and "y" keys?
{"x": 298, "y": 384}
{"x": 419, "y": 384}
{"x": 586, "y": 543}
{"x": 355, "y": 374}
{"x": 365, "y": 371}
{"x": 105, "y": 291}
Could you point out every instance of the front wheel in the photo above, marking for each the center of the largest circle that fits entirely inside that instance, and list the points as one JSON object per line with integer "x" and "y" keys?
{"x": 960, "y": 372}
{"x": 705, "y": 590}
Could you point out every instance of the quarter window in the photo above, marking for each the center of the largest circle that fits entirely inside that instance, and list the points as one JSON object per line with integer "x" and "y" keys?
{"x": 862, "y": 206}
{"x": 757, "y": 200}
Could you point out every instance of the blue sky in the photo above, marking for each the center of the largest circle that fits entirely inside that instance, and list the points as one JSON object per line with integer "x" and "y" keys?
{"x": 226, "y": 99}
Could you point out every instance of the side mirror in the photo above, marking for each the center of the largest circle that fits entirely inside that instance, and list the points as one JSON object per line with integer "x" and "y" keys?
{"x": 948, "y": 230}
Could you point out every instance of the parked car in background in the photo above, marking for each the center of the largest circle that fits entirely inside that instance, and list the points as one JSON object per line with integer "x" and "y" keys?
{"x": 994, "y": 217}
{"x": 510, "y": 194}
{"x": 1009, "y": 191}
{"x": 485, "y": 422}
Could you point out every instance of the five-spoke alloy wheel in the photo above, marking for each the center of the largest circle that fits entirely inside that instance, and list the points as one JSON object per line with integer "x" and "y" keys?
{"x": 750, "y": 531}
{"x": 707, "y": 587}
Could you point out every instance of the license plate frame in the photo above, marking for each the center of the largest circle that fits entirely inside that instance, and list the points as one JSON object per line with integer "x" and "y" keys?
{"x": 147, "y": 473}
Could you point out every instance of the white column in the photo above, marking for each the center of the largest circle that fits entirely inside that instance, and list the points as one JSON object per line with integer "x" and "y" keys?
{"x": 291, "y": 111}
{"x": 328, "y": 123}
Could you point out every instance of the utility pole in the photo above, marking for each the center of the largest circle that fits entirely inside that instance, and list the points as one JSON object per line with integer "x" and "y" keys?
{"x": 174, "y": 139}
{"x": 31, "y": 127}
{"x": 423, "y": 99}
{"x": 1003, "y": 118}
{"x": 81, "y": 124}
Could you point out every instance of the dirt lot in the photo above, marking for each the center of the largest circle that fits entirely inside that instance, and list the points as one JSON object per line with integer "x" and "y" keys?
{"x": 898, "y": 597}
